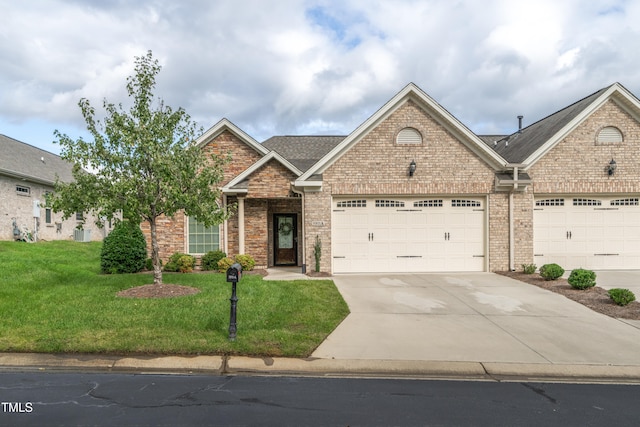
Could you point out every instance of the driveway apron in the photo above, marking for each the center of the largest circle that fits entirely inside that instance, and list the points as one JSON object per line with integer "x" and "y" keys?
{"x": 478, "y": 317}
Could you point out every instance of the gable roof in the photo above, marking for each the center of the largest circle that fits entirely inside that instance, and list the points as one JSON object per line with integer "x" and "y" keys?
{"x": 26, "y": 162}
{"x": 239, "y": 184}
{"x": 533, "y": 142}
{"x": 226, "y": 125}
{"x": 414, "y": 93}
{"x": 303, "y": 151}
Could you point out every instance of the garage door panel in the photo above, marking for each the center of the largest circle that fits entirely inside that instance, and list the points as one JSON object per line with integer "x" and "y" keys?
{"x": 429, "y": 235}
{"x": 594, "y": 233}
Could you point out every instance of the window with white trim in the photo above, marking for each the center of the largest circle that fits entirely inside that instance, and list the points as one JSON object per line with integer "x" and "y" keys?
{"x": 428, "y": 203}
{"x": 202, "y": 239}
{"x": 586, "y": 202}
{"x": 626, "y": 202}
{"x": 550, "y": 202}
{"x": 389, "y": 204}
{"x": 456, "y": 203}
{"x": 22, "y": 190}
{"x": 609, "y": 135}
{"x": 409, "y": 136}
{"x": 352, "y": 204}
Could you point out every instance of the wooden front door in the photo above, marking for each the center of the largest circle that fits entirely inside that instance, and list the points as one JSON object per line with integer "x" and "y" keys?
{"x": 285, "y": 234}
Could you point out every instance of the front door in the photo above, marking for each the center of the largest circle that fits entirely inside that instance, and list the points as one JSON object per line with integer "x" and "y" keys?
{"x": 285, "y": 233}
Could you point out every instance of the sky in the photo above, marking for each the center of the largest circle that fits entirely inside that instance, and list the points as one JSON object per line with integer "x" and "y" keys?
{"x": 311, "y": 67}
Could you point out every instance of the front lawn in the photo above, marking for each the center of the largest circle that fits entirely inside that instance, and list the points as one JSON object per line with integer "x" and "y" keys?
{"x": 54, "y": 299}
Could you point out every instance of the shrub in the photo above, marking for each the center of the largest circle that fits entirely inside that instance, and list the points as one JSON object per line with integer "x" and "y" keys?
{"x": 551, "y": 271}
{"x": 124, "y": 250}
{"x": 210, "y": 260}
{"x": 180, "y": 262}
{"x": 148, "y": 264}
{"x": 582, "y": 279}
{"x": 621, "y": 296}
{"x": 246, "y": 261}
{"x": 529, "y": 268}
{"x": 225, "y": 263}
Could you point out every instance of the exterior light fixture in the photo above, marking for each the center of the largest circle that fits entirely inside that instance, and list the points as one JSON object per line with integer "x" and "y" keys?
{"x": 611, "y": 169}
{"x": 412, "y": 167}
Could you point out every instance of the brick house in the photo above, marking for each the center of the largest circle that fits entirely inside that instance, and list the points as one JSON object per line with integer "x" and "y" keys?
{"x": 27, "y": 174}
{"x": 412, "y": 189}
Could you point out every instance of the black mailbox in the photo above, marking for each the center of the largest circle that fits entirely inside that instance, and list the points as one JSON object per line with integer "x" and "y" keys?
{"x": 234, "y": 273}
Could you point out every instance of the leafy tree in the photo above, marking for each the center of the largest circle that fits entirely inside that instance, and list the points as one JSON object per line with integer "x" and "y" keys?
{"x": 143, "y": 163}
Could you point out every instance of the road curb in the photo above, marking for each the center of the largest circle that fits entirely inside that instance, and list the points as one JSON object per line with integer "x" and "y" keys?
{"x": 314, "y": 367}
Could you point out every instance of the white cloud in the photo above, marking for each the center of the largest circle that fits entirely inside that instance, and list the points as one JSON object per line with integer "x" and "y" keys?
{"x": 314, "y": 66}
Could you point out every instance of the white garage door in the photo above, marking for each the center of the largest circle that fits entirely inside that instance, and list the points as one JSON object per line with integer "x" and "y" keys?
{"x": 599, "y": 233}
{"x": 385, "y": 234}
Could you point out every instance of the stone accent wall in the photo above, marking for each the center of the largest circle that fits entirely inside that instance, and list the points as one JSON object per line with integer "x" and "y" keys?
{"x": 171, "y": 235}
{"x": 173, "y": 232}
{"x": 242, "y": 156}
{"x": 272, "y": 180}
{"x": 578, "y": 165}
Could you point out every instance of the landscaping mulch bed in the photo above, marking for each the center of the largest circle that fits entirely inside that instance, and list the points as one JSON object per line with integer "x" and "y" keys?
{"x": 596, "y": 298}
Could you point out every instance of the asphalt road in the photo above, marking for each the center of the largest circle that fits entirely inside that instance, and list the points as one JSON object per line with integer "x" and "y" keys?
{"x": 77, "y": 399}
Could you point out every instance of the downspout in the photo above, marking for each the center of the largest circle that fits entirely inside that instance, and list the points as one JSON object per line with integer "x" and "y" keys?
{"x": 304, "y": 240}
{"x": 512, "y": 237}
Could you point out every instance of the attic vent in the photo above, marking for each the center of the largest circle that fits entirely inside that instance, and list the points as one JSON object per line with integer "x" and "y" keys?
{"x": 609, "y": 135}
{"x": 409, "y": 136}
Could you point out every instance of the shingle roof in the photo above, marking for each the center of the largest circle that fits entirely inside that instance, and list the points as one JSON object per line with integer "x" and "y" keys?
{"x": 302, "y": 151}
{"x": 517, "y": 147}
{"x": 34, "y": 164}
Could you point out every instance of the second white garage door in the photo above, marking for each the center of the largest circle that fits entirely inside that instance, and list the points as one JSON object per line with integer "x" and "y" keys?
{"x": 599, "y": 233}
{"x": 384, "y": 234}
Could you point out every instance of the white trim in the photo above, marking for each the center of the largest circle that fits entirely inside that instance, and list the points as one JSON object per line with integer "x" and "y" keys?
{"x": 410, "y": 92}
{"x": 624, "y": 99}
{"x": 240, "y": 225}
{"x": 254, "y": 167}
{"x": 223, "y": 125}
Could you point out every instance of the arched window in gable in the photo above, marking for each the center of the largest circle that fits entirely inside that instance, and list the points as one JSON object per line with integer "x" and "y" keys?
{"x": 609, "y": 135}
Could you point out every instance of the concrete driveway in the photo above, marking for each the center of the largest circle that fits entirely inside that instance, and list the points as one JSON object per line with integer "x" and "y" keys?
{"x": 476, "y": 317}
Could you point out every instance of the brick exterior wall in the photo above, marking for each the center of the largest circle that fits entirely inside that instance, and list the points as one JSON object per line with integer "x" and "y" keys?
{"x": 268, "y": 193}
{"x": 377, "y": 165}
{"x": 578, "y": 165}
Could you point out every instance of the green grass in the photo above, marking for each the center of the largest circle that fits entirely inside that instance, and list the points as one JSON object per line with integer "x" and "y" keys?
{"x": 54, "y": 299}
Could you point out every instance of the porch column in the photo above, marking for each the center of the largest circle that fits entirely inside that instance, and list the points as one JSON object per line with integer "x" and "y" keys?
{"x": 241, "y": 225}
{"x": 225, "y": 227}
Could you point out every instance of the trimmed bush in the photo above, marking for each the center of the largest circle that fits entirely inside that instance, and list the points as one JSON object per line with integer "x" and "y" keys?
{"x": 582, "y": 279}
{"x": 246, "y": 261}
{"x": 225, "y": 263}
{"x": 551, "y": 271}
{"x": 148, "y": 264}
{"x": 210, "y": 260}
{"x": 124, "y": 250}
{"x": 183, "y": 263}
{"x": 621, "y": 296}
{"x": 529, "y": 268}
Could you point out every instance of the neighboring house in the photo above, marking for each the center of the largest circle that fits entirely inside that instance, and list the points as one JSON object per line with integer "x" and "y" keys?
{"x": 412, "y": 189}
{"x": 27, "y": 174}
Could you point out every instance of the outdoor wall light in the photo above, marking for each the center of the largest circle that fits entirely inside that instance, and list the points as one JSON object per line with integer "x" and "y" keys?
{"x": 412, "y": 167}
{"x": 611, "y": 169}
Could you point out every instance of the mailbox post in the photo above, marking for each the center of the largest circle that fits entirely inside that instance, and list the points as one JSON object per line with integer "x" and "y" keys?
{"x": 234, "y": 273}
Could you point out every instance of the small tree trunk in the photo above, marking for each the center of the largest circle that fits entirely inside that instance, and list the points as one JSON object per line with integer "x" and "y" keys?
{"x": 155, "y": 254}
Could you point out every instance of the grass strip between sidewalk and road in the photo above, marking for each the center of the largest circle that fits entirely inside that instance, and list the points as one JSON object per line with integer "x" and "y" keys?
{"x": 53, "y": 299}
